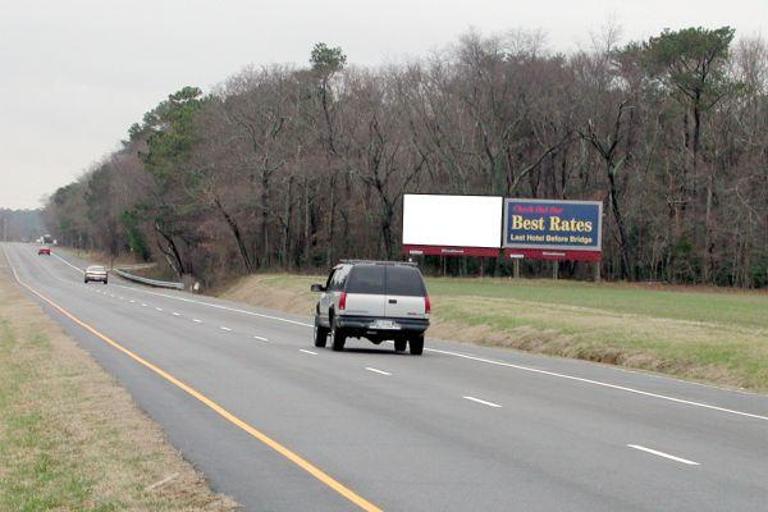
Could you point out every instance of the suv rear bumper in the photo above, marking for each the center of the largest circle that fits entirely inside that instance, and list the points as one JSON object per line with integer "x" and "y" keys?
{"x": 361, "y": 325}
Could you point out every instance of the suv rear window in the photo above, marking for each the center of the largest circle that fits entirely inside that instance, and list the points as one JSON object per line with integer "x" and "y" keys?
{"x": 404, "y": 281}
{"x": 366, "y": 279}
{"x": 386, "y": 279}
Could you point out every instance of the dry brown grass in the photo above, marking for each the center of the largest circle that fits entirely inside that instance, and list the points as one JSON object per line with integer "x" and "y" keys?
{"x": 262, "y": 290}
{"x": 70, "y": 437}
{"x": 99, "y": 257}
{"x": 701, "y": 351}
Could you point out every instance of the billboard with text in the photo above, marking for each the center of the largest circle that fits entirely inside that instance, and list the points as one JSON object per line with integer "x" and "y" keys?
{"x": 553, "y": 229}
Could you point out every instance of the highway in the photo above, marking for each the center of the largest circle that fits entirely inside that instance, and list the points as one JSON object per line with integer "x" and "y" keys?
{"x": 280, "y": 425}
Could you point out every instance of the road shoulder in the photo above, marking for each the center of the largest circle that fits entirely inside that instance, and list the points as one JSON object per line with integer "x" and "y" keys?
{"x": 70, "y": 437}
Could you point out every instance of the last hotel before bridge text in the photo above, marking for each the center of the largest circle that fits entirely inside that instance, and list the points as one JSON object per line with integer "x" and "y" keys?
{"x": 550, "y": 224}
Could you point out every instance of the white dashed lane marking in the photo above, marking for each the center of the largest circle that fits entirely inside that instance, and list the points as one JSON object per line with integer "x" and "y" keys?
{"x": 483, "y": 402}
{"x": 662, "y": 454}
{"x": 376, "y": 370}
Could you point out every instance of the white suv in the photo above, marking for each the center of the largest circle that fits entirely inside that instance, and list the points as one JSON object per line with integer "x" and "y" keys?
{"x": 377, "y": 300}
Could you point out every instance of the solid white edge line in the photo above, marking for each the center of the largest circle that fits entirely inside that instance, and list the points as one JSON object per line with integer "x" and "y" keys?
{"x": 307, "y": 351}
{"x": 375, "y": 370}
{"x": 602, "y": 384}
{"x": 662, "y": 454}
{"x": 479, "y": 401}
{"x": 475, "y": 358}
{"x": 68, "y": 263}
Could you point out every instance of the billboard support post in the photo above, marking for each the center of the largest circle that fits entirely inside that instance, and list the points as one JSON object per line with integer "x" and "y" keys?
{"x": 555, "y": 269}
{"x": 597, "y": 271}
{"x": 516, "y": 268}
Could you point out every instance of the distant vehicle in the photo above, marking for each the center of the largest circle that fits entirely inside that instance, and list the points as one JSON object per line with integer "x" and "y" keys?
{"x": 45, "y": 250}
{"x": 376, "y": 300}
{"x": 47, "y": 239}
{"x": 96, "y": 273}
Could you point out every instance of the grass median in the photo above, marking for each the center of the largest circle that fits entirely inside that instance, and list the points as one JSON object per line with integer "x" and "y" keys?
{"x": 70, "y": 437}
{"x": 703, "y": 334}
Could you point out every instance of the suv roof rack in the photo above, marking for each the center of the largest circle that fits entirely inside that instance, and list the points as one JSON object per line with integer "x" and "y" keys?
{"x": 379, "y": 262}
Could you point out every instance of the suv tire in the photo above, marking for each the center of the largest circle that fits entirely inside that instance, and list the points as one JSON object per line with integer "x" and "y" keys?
{"x": 400, "y": 345}
{"x": 416, "y": 344}
{"x": 321, "y": 335}
{"x": 337, "y": 337}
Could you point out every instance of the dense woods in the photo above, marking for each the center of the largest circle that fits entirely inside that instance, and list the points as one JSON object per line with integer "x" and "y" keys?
{"x": 293, "y": 168}
{"x": 20, "y": 225}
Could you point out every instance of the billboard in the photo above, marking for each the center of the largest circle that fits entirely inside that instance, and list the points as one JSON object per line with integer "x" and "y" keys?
{"x": 452, "y": 225}
{"x": 553, "y": 229}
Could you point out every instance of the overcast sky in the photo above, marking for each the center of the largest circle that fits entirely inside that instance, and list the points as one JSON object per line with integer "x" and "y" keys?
{"x": 75, "y": 74}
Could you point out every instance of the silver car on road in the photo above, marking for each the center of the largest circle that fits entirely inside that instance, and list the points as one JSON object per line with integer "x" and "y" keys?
{"x": 96, "y": 273}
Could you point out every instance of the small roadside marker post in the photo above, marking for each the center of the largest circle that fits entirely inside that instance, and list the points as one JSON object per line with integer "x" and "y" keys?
{"x": 516, "y": 265}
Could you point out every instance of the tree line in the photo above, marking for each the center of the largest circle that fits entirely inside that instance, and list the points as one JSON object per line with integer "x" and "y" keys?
{"x": 294, "y": 167}
{"x": 20, "y": 225}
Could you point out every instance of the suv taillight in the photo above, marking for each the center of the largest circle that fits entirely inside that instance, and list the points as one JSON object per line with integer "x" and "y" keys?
{"x": 427, "y": 305}
{"x": 343, "y": 301}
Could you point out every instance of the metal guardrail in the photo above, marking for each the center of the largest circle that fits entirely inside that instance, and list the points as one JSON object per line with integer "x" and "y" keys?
{"x": 147, "y": 281}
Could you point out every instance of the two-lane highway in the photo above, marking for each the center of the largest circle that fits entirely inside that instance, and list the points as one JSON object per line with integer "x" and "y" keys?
{"x": 281, "y": 425}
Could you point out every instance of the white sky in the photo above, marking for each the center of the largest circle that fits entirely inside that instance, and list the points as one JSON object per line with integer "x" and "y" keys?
{"x": 75, "y": 74}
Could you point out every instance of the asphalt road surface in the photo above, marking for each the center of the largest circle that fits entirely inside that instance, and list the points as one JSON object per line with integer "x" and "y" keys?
{"x": 280, "y": 425}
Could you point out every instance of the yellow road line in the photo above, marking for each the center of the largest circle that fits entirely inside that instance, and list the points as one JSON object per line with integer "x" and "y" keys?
{"x": 304, "y": 464}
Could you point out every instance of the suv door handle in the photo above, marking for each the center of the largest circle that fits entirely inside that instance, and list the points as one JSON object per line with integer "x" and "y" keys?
{"x": 393, "y": 301}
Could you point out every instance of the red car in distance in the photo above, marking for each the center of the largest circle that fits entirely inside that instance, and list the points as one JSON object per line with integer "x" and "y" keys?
{"x": 44, "y": 250}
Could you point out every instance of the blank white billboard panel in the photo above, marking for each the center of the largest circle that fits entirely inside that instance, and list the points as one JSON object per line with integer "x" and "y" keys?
{"x": 452, "y": 221}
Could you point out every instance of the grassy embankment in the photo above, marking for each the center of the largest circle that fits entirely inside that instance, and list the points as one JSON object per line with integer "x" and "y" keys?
{"x": 70, "y": 437}
{"x": 702, "y": 334}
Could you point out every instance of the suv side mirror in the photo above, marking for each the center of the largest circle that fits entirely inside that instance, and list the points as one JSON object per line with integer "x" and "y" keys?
{"x": 317, "y": 288}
